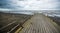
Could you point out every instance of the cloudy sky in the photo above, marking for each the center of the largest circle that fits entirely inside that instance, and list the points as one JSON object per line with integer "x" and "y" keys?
{"x": 30, "y": 4}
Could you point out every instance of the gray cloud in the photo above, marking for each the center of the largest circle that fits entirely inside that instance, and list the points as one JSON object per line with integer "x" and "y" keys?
{"x": 30, "y": 4}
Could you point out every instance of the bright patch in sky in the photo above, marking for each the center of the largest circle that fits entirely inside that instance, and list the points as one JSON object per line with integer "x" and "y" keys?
{"x": 38, "y": 4}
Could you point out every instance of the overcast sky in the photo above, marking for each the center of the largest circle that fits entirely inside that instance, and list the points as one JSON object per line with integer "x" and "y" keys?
{"x": 30, "y": 4}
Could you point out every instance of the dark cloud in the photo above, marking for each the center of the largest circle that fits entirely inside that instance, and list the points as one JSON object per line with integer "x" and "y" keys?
{"x": 7, "y": 4}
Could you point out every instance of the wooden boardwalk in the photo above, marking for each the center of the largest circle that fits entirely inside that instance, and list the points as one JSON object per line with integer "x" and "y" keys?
{"x": 39, "y": 24}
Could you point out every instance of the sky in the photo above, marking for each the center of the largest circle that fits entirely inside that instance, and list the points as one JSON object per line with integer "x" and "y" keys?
{"x": 30, "y": 4}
